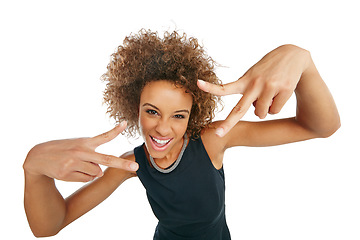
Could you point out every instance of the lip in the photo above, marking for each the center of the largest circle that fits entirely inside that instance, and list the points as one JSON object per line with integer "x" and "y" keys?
{"x": 156, "y": 146}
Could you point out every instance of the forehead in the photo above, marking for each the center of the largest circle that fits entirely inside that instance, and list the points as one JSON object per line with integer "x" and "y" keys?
{"x": 164, "y": 92}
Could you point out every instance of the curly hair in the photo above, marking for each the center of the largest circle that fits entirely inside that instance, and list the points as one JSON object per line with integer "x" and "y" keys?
{"x": 145, "y": 57}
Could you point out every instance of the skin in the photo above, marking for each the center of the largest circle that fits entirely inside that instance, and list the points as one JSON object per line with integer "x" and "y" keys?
{"x": 267, "y": 85}
{"x": 164, "y": 114}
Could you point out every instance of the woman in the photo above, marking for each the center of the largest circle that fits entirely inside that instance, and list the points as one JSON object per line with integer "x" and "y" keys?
{"x": 153, "y": 88}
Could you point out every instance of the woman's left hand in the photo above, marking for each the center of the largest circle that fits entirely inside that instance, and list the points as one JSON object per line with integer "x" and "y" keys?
{"x": 268, "y": 84}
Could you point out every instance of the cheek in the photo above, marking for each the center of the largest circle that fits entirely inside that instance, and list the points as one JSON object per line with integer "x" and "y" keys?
{"x": 181, "y": 128}
{"x": 143, "y": 124}
{"x": 185, "y": 126}
{"x": 146, "y": 124}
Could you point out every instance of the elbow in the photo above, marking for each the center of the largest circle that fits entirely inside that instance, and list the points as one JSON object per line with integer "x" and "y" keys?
{"x": 330, "y": 130}
{"x": 44, "y": 234}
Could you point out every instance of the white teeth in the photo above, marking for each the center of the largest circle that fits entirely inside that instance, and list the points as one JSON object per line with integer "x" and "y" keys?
{"x": 162, "y": 142}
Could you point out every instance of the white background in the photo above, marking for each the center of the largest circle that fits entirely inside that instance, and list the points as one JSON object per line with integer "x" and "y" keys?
{"x": 52, "y": 54}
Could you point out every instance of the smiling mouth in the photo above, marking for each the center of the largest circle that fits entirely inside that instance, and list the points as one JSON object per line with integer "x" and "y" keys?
{"x": 160, "y": 144}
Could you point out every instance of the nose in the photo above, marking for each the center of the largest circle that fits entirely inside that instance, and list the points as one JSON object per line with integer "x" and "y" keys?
{"x": 163, "y": 127}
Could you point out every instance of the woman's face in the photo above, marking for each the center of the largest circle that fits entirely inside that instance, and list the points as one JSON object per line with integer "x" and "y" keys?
{"x": 164, "y": 113}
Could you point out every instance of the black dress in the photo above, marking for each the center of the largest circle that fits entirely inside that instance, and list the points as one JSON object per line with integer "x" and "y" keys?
{"x": 189, "y": 202}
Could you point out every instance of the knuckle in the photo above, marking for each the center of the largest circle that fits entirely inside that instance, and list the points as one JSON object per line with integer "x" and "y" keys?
{"x": 67, "y": 166}
{"x": 97, "y": 169}
{"x": 107, "y": 159}
{"x": 75, "y": 151}
{"x": 287, "y": 88}
{"x": 271, "y": 85}
{"x": 256, "y": 82}
{"x": 105, "y": 135}
{"x": 260, "y": 114}
{"x": 274, "y": 110}
{"x": 222, "y": 88}
{"x": 261, "y": 103}
{"x": 238, "y": 109}
{"x": 87, "y": 178}
{"x": 62, "y": 173}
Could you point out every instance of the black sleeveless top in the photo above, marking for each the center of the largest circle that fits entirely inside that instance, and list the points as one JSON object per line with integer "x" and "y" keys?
{"x": 189, "y": 202}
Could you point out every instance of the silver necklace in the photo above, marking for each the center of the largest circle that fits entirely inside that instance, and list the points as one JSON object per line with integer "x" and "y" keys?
{"x": 176, "y": 163}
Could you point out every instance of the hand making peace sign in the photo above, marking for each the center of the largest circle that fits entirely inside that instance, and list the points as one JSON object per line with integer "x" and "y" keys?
{"x": 268, "y": 84}
{"x": 75, "y": 159}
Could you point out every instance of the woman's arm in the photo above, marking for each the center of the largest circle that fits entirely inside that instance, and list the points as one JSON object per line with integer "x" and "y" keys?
{"x": 316, "y": 109}
{"x": 69, "y": 160}
{"x": 94, "y": 193}
{"x": 268, "y": 85}
{"x": 44, "y": 206}
{"x": 48, "y": 212}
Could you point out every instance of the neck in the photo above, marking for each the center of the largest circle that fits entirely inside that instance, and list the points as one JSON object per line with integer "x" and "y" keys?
{"x": 171, "y": 157}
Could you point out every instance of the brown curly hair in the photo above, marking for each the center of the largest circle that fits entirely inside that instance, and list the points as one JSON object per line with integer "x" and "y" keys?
{"x": 145, "y": 57}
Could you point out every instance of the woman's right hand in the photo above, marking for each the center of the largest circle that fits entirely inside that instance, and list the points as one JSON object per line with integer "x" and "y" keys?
{"x": 75, "y": 160}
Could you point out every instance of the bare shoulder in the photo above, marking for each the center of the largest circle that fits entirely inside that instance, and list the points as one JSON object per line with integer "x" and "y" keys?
{"x": 214, "y": 145}
{"x": 129, "y": 155}
{"x": 208, "y": 133}
{"x": 244, "y": 133}
{"x": 213, "y": 141}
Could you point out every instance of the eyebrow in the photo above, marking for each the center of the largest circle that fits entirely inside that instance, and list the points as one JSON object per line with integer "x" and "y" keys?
{"x": 178, "y": 111}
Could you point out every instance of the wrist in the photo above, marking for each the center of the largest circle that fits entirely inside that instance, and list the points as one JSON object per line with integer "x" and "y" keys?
{"x": 35, "y": 178}
{"x": 302, "y": 55}
{"x": 30, "y": 172}
{"x": 30, "y": 167}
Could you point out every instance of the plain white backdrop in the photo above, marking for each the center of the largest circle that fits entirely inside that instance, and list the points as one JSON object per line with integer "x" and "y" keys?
{"x": 52, "y": 54}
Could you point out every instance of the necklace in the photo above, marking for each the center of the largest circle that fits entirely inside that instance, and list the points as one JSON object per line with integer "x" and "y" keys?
{"x": 176, "y": 163}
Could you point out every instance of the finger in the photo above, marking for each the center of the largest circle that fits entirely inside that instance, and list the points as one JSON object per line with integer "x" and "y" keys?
{"x": 112, "y": 161}
{"x": 220, "y": 90}
{"x": 78, "y": 177}
{"x": 263, "y": 104}
{"x": 279, "y": 102}
{"x": 90, "y": 169}
{"x": 107, "y": 136}
{"x": 237, "y": 113}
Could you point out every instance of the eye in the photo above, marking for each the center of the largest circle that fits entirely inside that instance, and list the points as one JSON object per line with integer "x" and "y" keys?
{"x": 152, "y": 112}
{"x": 179, "y": 116}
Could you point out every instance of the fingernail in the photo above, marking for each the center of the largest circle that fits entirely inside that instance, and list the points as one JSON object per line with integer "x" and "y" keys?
{"x": 201, "y": 82}
{"x": 134, "y": 166}
{"x": 220, "y": 132}
{"x": 122, "y": 124}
